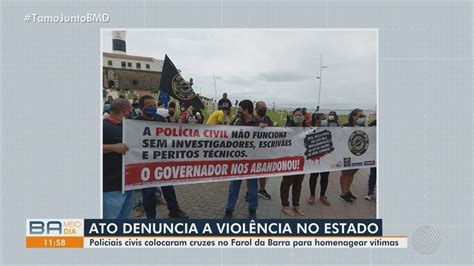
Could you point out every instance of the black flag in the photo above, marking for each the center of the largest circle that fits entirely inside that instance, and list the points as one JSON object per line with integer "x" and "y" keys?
{"x": 173, "y": 83}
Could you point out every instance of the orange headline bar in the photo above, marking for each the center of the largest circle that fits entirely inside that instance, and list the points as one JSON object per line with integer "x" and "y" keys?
{"x": 54, "y": 242}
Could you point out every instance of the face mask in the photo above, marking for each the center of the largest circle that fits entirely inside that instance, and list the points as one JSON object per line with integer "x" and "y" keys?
{"x": 150, "y": 111}
{"x": 331, "y": 118}
{"x": 107, "y": 107}
{"x": 324, "y": 123}
{"x": 298, "y": 120}
{"x": 360, "y": 121}
{"x": 262, "y": 111}
{"x": 191, "y": 120}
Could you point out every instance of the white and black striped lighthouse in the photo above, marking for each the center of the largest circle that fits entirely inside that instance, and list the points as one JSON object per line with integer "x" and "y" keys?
{"x": 118, "y": 42}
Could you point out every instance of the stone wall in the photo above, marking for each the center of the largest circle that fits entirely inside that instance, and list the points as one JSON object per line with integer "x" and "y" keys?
{"x": 126, "y": 79}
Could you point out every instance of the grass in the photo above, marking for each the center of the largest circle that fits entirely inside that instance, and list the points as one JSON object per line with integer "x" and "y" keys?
{"x": 278, "y": 116}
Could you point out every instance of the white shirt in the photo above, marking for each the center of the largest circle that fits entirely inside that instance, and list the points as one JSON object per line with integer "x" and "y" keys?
{"x": 163, "y": 112}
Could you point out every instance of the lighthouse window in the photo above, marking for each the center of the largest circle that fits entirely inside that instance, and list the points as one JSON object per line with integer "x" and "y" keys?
{"x": 139, "y": 65}
{"x": 109, "y": 62}
{"x": 124, "y": 64}
{"x": 148, "y": 66}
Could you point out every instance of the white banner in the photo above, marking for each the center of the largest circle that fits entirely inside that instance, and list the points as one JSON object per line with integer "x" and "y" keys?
{"x": 163, "y": 154}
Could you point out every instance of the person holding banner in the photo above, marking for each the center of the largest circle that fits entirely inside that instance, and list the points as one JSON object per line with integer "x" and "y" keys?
{"x": 148, "y": 107}
{"x": 262, "y": 117}
{"x": 293, "y": 181}
{"x": 319, "y": 120}
{"x": 356, "y": 119}
{"x": 307, "y": 116}
{"x": 372, "y": 176}
{"x": 116, "y": 205}
{"x": 333, "y": 120}
{"x": 245, "y": 118}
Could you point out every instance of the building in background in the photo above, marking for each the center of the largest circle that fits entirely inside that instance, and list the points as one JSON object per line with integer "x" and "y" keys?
{"x": 124, "y": 73}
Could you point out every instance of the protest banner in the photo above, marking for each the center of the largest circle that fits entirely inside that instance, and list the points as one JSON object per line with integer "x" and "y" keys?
{"x": 162, "y": 154}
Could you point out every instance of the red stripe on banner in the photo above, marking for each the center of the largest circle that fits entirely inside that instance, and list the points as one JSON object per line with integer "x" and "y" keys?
{"x": 192, "y": 171}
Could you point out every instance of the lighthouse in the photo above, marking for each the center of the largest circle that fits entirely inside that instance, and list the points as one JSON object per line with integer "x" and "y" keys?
{"x": 123, "y": 72}
{"x": 118, "y": 42}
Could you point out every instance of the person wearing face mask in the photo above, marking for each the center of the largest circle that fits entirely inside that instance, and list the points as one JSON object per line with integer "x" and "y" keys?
{"x": 319, "y": 120}
{"x": 224, "y": 102}
{"x": 307, "y": 116}
{"x": 293, "y": 181}
{"x": 148, "y": 107}
{"x": 187, "y": 116}
{"x": 245, "y": 118}
{"x": 199, "y": 117}
{"x": 106, "y": 110}
{"x": 172, "y": 113}
{"x": 356, "y": 119}
{"x": 135, "y": 109}
{"x": 333, "y": 120}
{"x": 116, "y": 205}
{"x": 183, "y": 112}
{"x": 262, "y": 117}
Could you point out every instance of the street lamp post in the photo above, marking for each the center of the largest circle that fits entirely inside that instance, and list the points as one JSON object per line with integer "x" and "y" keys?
{"x": 215, "y": 89}
{"x": 320, "y": 80}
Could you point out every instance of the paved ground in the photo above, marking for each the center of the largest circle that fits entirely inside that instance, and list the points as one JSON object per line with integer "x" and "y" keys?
{"x": 208, "y": 200}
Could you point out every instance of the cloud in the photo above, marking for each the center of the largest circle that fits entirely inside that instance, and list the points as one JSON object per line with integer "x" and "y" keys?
{"x": 279, "y": 65}
{"x": 239, "y": 80}
{"x": 280, "y": 76}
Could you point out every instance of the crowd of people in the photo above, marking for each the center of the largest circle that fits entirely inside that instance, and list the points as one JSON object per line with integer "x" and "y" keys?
{"x": 118, "y": 205}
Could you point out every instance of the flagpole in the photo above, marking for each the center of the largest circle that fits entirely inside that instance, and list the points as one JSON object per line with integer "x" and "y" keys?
{"x": 320, "y": 80}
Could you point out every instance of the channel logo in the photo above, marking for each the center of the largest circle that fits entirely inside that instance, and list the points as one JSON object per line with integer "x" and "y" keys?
{"x": 54, "y": 227}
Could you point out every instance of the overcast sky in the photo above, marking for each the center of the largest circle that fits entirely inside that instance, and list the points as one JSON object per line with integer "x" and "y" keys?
{"x": 278, "y": 66}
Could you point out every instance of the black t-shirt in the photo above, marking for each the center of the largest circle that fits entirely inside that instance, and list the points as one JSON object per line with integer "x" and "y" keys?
{"x": 112, "y": 161}
{"x": 251, "y": 123}
{"x": 348, "y": 125}
{"x": 291, "y": 123}
{"x": 224, "y": 103}
{"x": 158, "y": 118}
{"x": 266, "y": 120}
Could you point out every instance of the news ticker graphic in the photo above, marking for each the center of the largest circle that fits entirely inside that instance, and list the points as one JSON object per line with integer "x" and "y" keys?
{"x": 215, "y": 233}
